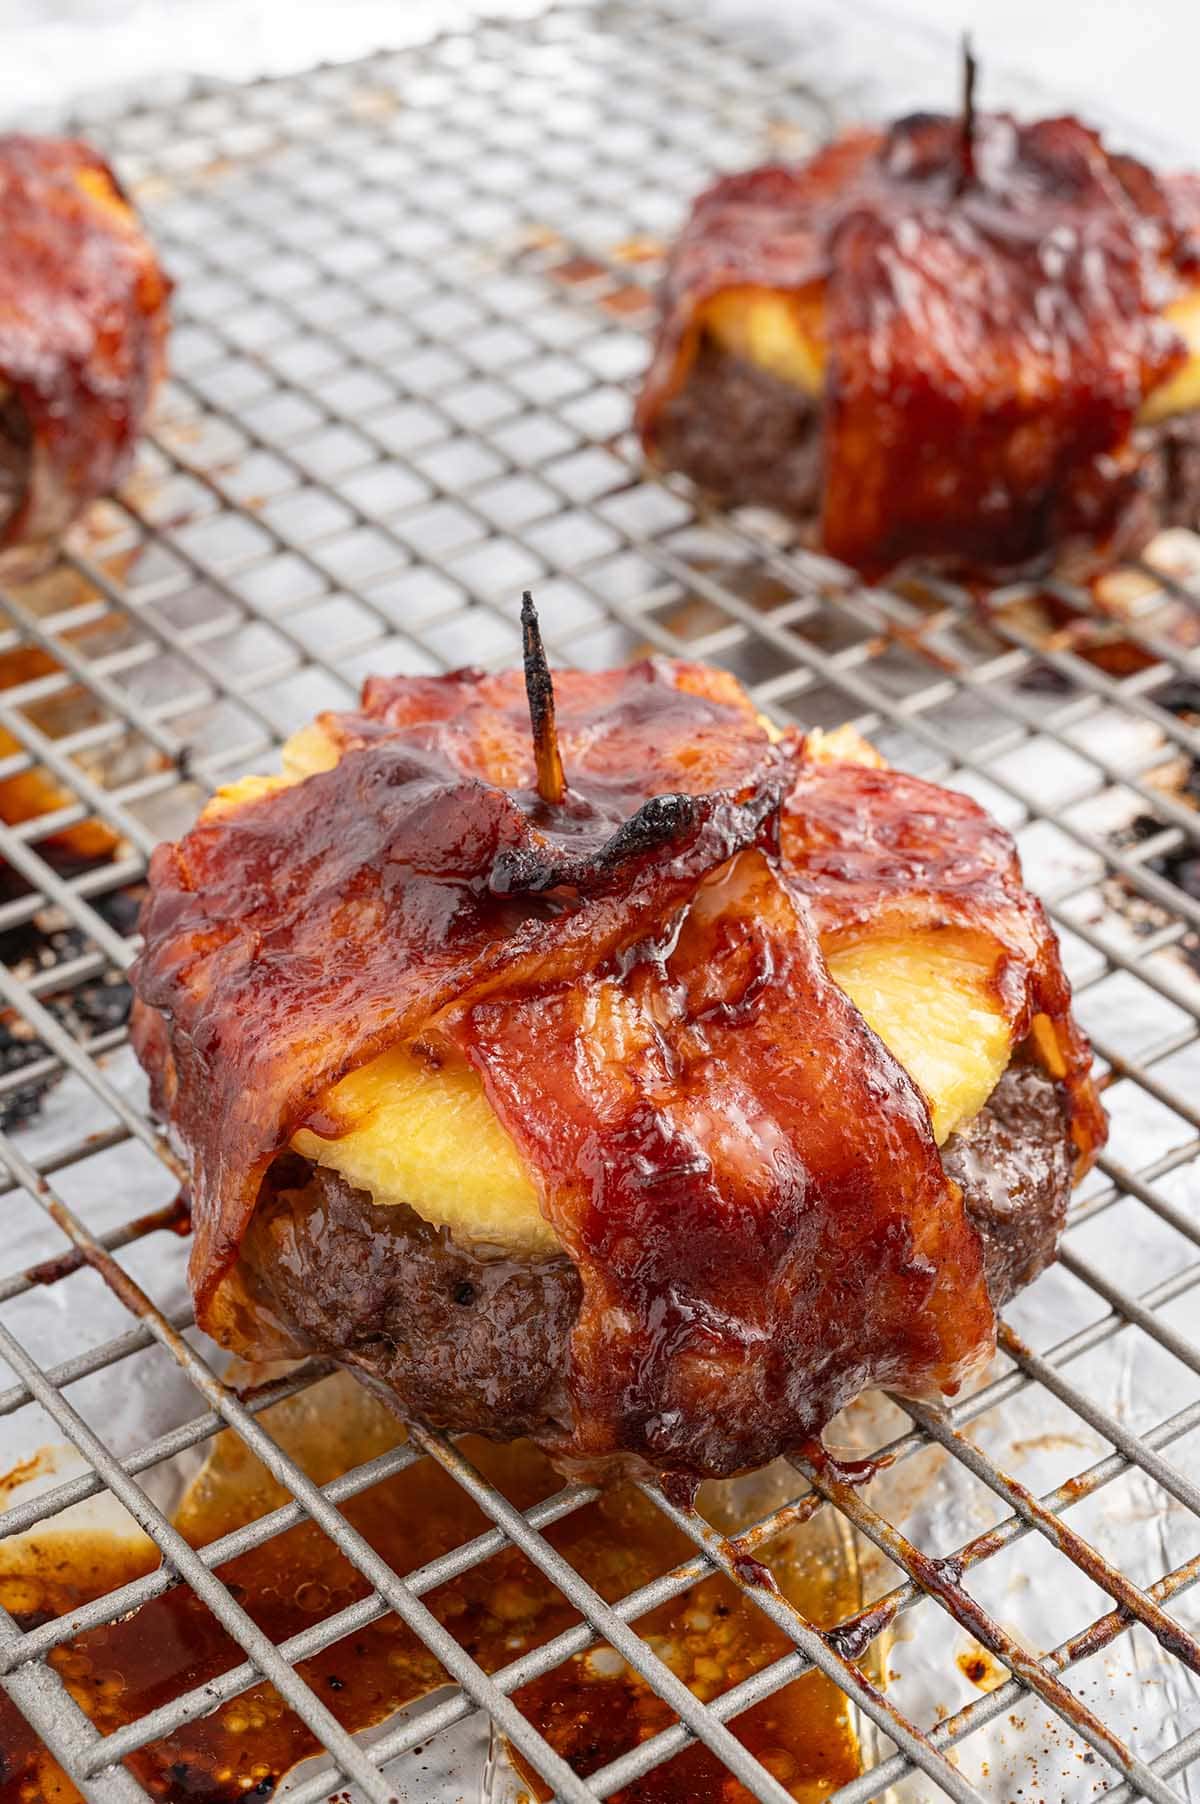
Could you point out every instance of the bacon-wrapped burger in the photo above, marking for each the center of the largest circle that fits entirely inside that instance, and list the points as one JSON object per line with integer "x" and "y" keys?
{"x": 651, "y": 1088}
{"x": 970, "y": 342}
{"x": 83, "y": 326}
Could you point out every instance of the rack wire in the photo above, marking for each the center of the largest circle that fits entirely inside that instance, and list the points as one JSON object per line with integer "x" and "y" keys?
{"x": 413, "y": 293}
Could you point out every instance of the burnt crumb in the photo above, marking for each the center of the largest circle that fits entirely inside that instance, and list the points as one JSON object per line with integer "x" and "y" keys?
{"x": 23, "y": 1103}
{"x": 28, "y": 1620}
{"x": 97, "y": 1006}
{"x": 197, "y": 1785}
{"x": 334, "y": 1683}
{"x": 1180, "y": 696}
{"x": 121, "y": 908}
{"x": 464, "y": 1292}
{"x": 1182, "y": 865}
{"x": 1044, "y": 679}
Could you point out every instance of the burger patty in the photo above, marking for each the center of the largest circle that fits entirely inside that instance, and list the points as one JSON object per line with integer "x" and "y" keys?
{"x": 16, "y": 456}
{"x": 469, "y": 1340}
{"x": 755, "y": 440}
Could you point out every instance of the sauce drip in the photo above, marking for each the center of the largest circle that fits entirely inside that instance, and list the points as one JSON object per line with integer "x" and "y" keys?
{"x": 591, "y": 1709}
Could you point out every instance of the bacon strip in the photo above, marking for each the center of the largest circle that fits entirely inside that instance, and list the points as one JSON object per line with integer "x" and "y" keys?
{"x": 987, "y": 348}
{"x": 882, "y": 851}
{"x": 744, "y": 1176}
{"x": 747, "y": 1182}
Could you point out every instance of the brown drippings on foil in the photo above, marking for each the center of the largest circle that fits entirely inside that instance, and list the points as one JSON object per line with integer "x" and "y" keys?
{"x": 29, "y": 794}
{"x": 982, "y": 1668}
{"x": 591, "y": 1709}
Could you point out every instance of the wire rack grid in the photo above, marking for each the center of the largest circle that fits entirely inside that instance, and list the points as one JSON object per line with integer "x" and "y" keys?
{"x": 413, "y": 295}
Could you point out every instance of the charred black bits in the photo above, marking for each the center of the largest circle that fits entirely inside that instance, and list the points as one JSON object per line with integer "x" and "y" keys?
{"x": 1045, "y": 679}
{"x": 1180, "y": 696}
{"x": 95, "y": 1007}
{"x": 464, "y": 1293}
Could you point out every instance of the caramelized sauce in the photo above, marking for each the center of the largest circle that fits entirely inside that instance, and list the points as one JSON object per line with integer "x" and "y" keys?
{"x": 591, "y": 1709}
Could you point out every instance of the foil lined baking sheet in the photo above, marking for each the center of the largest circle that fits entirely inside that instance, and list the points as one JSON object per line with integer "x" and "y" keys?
{"x": 413, "y": 298}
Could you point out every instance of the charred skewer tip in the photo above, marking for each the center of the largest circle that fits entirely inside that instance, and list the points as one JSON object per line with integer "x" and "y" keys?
{"x": 966, "y": 168}
{"x": 539, "y": 688}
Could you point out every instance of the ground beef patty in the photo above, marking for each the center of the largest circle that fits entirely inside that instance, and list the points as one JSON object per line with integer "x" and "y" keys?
{"x": 472, "y": 1341}
{"x": 1013, "y": 1163}
{"x": 754, "y": 440}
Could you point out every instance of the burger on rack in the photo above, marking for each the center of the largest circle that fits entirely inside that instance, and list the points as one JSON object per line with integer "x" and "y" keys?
{"x": 589, "y": 1060}
{"x": 965, "y": 340}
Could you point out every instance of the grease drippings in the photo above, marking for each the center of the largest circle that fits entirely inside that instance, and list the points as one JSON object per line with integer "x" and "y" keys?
{"x": 591, "y": 1709}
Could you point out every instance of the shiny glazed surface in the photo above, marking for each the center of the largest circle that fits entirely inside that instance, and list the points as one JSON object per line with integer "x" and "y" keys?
{"x": 744, "y": 1177}
{"x": 988, "y": 341}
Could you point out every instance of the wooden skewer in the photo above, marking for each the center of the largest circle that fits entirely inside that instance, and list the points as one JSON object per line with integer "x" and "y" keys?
{"x": 551, "y": 780}
{"x": 966, "y": 171}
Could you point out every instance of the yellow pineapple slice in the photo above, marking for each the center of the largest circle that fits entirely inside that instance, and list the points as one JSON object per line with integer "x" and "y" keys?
{"x": 929, "y": 997}
{"x": 779, "y": 332}
{"x": 1180, "y": 393}
{"x": 303, "y": 755}
{"x": 783, "y": 334}
{"x": 232, "y": 796}
{"x": 426, "y": 1135}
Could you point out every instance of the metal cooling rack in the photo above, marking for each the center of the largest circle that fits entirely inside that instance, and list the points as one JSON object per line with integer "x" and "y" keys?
{"x": 412, "y": 301}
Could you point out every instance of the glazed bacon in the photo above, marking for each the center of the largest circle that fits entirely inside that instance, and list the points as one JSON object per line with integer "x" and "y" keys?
{"x": 879, "y": 849}
{"x": 743, "y": 1175}
{"x": 988, "y": 336}
{"x": 83, "y": 324}
{"x": 301, "y": 935}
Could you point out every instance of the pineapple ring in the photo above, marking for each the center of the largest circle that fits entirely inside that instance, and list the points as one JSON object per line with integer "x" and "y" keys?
{"x": 783, "y": 334}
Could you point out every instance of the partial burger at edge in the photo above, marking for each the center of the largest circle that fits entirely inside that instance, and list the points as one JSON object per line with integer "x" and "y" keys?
{"x": 967, "y": 342}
